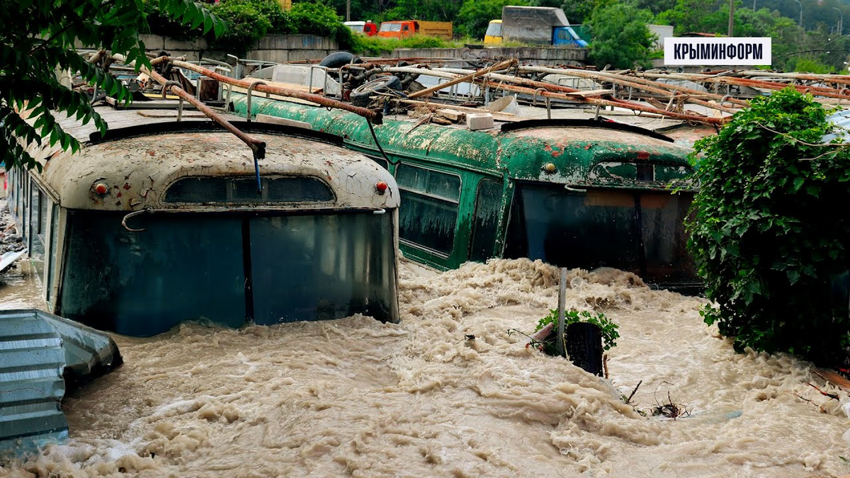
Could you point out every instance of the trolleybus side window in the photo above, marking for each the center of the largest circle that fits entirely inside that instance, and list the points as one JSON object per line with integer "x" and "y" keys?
{"x": 429, "y": 215}
{"x": 381, "y": 162}
{"x": 485, "y": 223}
{"x": 54, "y": 234}
{"x": 38, "y": 220}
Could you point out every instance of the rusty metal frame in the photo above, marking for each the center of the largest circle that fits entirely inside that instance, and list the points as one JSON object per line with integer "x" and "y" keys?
{"x": 375, "y": 116}
{"x": 248, "y": 95}
{"x": 257, "y": 147}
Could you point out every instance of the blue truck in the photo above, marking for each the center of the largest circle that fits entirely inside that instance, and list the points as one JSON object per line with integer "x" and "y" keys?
{"x": 533, "y": 25}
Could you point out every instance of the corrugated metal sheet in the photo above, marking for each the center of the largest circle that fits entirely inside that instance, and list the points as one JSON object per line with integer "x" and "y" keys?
{"x": 36, "y": 350}
{"x": 841, "y": 121}
{"x": 89, "y": 353}
{"x": 31, "y": 384}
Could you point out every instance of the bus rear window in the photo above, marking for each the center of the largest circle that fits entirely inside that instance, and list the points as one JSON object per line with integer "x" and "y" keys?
{"x": 636, "y": 231}
{"x": 244, "y": 190}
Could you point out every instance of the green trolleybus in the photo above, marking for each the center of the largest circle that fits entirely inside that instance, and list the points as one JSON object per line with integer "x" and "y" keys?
{"x": 575, "y": 193}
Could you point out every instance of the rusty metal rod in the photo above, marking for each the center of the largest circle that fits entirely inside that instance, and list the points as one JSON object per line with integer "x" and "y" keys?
{"x": 607, "y": 102}
{"x": 257, "y": 147}
{"x": 566, "y": 89}
{"x": 635, "y": 82}
{"x": 769, "y": 85}
{"x": 374, "y": 116}
{"x": 461, "y": 79}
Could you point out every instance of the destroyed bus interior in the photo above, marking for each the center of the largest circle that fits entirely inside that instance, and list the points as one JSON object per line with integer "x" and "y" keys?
{"x": 166, "y": 221}
{"x": 574, "y": 193}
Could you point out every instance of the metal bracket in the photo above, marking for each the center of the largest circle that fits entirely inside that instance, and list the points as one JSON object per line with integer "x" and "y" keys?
{"x": 248, "y": 100}
{"x": 180, "y": 105}
{"x": 128, "y": 216}
{"x": 575, "y": 190}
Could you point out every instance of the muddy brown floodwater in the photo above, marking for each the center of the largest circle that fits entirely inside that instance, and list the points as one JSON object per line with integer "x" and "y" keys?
{"x": 357, "y": 397}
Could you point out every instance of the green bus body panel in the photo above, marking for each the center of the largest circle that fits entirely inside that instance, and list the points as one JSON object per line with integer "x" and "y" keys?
{"x": 585, "y": 156}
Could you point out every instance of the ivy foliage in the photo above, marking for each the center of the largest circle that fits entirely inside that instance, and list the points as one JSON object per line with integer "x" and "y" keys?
{"x": 39, "y": 39}
{"x": 770, "y": 228}
{"x": 608, "y": 329}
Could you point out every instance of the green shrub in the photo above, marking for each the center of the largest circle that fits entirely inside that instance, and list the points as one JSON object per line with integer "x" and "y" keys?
{"x": 322, "y": 20}
{"x": 808, "y": 65}
{"x": 246, "y": 24}
{"x": 250, "y": 20}
{"x": 608, "y": 328}
{"x": 475, "y": 15}
{"x": 620, "y": 36}
{"x": 377, "y": 46}
{"x": 770, "y": 227}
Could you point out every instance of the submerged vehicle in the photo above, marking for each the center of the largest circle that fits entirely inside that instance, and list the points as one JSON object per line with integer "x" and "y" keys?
{"x": 575, "y": 193}
{"x": 160, "y": 221}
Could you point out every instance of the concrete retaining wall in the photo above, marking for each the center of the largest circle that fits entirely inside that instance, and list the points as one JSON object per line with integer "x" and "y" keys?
{"x": 283, "y": 48}
{"x": 533, "y": 55}
{"x": 276, "y": 48}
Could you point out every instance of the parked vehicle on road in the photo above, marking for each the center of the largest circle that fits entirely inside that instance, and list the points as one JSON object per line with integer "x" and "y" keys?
{"x": 368, "y": 28}
{"x": 408, "y": 28}
{"x": 533, "y": 25}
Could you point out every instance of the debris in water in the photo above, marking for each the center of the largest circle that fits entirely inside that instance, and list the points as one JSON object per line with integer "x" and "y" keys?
{"x": 670, "y": 409}
{"x": 629, "y": 399}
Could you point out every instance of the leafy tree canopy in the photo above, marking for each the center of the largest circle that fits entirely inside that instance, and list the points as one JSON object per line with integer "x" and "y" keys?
{"x": 620, "y": 36}
{"x": 770, "y": 228}
{"x": 475, "y": 15}
{"x": 40, "y": 37}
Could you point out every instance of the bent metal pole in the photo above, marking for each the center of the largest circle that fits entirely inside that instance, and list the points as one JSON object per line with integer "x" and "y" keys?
{"x": 374, "y": 116}
{"x": 257, "y": 147}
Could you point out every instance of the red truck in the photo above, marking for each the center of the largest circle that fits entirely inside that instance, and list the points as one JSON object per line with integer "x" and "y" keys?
{"x": 368, "y": 28}
{"x": 407, "y": 28}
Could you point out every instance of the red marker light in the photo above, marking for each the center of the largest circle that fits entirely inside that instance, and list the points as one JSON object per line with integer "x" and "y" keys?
{"x": 642, "y": 155}
{"x": 101, "y": 189}
{"x": 381, "y": 187}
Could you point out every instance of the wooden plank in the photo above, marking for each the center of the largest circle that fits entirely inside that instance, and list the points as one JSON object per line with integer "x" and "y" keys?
{"x": 148, "y": 105}
{"x": 591, "y": 93}
{"x": 169, "y": 114}
{"x": 504, "y": 117}
{"x": 834, "y": 378}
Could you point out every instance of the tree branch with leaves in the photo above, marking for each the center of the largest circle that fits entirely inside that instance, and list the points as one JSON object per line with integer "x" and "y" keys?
{"x": 40, "y": 37}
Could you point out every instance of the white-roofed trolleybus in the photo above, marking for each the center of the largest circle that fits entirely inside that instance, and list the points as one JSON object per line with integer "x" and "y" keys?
{"x": 160, "y": 222}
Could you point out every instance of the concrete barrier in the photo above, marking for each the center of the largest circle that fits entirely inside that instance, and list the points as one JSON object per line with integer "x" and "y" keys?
{"x": 529, "y": 55}
{"x": 276, "y": 48}
{"x": 286, "y": 48}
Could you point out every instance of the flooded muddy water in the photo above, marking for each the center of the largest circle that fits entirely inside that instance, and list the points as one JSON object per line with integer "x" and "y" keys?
{"x": 355, "y": 397}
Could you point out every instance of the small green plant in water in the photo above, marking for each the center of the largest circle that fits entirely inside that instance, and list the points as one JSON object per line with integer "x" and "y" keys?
{"x": 606, "y": 326}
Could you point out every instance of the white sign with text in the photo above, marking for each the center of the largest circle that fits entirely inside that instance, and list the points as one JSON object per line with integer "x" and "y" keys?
{"x": 717, "y": 51}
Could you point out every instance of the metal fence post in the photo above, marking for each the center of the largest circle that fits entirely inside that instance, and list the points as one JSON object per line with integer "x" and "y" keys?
{"x": 560, "y": 343}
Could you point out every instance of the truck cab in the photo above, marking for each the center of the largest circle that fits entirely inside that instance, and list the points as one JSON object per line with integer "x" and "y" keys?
{"x": 397, "y": 29}
{"x": 493, "y": 36}
{"x": 566, "y": 36}
{"x": 368, "y": 28}
{"x": 407, "y": 28}
{"x": 534, "y": 26}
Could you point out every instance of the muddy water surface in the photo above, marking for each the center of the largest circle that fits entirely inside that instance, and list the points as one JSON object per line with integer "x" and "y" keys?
{"x": 357, "y": 397}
